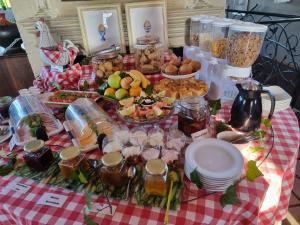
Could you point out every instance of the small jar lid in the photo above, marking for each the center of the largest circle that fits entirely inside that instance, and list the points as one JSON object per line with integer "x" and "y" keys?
{"x": 69, "y": 153}
{"x": 147, "y": 40}
{"x": 207, "y": 19}
{"x": 33, "y": 146}
{"x": 222, "y": 23}
{"x": 193, "y": 103}
{"x": 107, "y": 53}
{"x": 156, "y": 167}
{"x": 196, "y": 18}
{"x": 111, "y": 159}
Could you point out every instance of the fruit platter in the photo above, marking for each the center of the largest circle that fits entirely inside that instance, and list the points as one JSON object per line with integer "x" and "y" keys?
{"x": 121, "y": 85}
{"x": 146, "y": 109}
{"x": 63, "y": 98}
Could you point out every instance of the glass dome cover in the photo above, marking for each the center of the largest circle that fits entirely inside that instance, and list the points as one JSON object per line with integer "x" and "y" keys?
{"x": 27, "y": 113}
{"x": 86, "y": 120}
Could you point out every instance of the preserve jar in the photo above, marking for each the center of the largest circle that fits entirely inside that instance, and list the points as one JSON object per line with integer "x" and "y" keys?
{"x": 114, "y": 169}
{"x": 71, "y": 161}
{"x": 244, "y": 43}
{"x": 148, "y": 54}
{"x": 4, "y": 106}
{"x": 106, "y": 62}
{"x": 156, "y": 177}
{"x": 192, "y": 116}
{"x": 37, "y": 157}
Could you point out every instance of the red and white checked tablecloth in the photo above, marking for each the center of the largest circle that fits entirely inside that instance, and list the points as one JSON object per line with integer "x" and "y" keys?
{"x": 262, "y": 201}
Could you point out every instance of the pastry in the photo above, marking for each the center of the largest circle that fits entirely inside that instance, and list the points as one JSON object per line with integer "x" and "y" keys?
{"x": 195, "y": 65}
{"x": 171, "y": 69}
{"x": 185, "y": 69}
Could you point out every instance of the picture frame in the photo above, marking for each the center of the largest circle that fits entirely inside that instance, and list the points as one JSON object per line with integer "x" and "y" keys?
{"x": 137, "y": 13}
{"x": 101, "y": 26}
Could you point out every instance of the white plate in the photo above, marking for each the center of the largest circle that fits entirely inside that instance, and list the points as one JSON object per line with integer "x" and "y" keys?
{"x": 214, "y": 158}
{"x": 45, "y": 96}
{"x": 179, "y": 77}
{"x": 279, "y": 94}
{"x": 6, "y": 136}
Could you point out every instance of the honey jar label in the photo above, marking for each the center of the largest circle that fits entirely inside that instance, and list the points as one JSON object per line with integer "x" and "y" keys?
{"x": 200, "y": 134}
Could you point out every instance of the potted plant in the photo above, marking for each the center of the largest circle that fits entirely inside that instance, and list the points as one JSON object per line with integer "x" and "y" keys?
{"x": 8, "y": 30}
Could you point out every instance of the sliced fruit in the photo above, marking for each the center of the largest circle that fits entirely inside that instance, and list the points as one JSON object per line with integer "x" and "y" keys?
{"x": 127, "y": 111}
{"x": 114, "y": 81}
{"x": 121, "y": 93}
{"x": 127, "y": 102}
{"x": 169, "y": 100}
{"x": 157, "y": 111}
{"x": 135, "y": 83}
{"x": 135, "y": 91}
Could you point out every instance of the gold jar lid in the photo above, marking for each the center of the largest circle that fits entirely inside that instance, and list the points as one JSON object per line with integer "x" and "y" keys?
{"x": 33, "y": 146}
{"x": 156, "y": 167}
{"x": 69, "y": 153}
{"x": 112, "y": 159}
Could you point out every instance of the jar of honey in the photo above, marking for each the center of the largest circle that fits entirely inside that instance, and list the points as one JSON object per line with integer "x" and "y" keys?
{"x": 37, "y": 156}
{"x": 193, "y": 115}
{"x": 71, "y": 161}
{"x": 156, "y": 177}
{"x": 114, "y": 170}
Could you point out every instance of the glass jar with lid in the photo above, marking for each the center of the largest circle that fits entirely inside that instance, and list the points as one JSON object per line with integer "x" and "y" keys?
{"x": 219, "y": 37}
{"x": 205, "y": 29}
{"x": 4, "y": 105}
{"x": 148, "y": 54}
{"x": 37, "y": 157}
{"x": 107, "y": 61}
{"x": 114, "y": 169}
{"x": 72, "y": 160}
{"x": 156, "y": 177}
{"x": 193, "y": 114}
{"x": 244, "y": 43}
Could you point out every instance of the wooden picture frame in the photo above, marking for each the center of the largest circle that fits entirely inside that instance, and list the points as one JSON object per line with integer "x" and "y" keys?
{"x": 139, "y": 12}
{"x": 100, "y": 35}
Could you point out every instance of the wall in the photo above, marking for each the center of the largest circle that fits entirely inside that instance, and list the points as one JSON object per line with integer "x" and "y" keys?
{"x": 66, "y": 23}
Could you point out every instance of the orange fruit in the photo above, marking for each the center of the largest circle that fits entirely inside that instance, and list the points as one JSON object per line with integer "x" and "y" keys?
{"x": 135, "y": 91}
{"x": 109, "y": 91}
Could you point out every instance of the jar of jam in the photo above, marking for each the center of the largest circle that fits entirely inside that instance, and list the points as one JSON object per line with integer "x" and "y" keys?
{"x": 72, "y": 160}
{"x": 156, "y": 177}
{"x": 114, "y": 171}
{"x": 192, "y": 116}
{"x": 37, "y": 157}
{"x": 107, "y": 62}
{"x": 4, "y": 106}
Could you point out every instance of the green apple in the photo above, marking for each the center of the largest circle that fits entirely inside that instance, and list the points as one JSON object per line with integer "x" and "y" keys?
{"x": 114, "y": 81}
{"x": 121, "y": 93}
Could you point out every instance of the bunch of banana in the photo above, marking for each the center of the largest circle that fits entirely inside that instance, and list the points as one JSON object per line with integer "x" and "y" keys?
{"x": 138, "y": 79}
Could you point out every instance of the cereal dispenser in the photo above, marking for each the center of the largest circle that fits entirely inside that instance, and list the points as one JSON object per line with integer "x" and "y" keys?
{"x": 244, "y": 43}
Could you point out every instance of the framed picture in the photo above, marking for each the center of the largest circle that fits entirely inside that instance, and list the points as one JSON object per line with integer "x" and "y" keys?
{"x": 146, "y": 18}
{"x": 101, "y": 26}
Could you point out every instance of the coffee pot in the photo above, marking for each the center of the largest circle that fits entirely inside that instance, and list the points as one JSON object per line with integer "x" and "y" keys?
{"x": 246, "y": 111}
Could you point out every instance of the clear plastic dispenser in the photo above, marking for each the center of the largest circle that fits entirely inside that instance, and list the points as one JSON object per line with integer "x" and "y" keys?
{"x": 85, "y": 120}
{"x": 27, "y": 113}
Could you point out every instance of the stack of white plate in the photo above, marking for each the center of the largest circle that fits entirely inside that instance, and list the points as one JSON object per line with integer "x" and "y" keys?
{"x": 218, "y": 163}
{"x": 283, "y": 99}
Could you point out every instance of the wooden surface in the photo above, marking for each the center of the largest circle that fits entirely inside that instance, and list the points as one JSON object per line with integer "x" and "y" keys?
{"x": 15, "y": 74}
